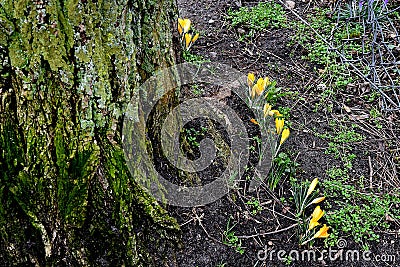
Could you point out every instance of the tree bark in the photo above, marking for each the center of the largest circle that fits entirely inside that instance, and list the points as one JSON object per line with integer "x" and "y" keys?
{"x": 68, "y": 70}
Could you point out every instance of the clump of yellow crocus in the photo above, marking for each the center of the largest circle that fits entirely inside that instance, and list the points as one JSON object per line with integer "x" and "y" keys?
{"x": 257, "y": 89}
{"x": 187, "y": 38}
{"x": 315, "y": 216}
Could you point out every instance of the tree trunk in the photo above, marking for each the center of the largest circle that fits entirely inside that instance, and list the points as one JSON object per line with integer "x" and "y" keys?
{"x": 67, "y": 72}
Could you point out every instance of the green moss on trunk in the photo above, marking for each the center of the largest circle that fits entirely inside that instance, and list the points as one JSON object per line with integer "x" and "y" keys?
{"x": 68, "y": 70}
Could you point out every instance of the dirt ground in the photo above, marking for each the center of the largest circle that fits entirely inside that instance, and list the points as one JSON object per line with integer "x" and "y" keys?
{"x": 269, "y": 54}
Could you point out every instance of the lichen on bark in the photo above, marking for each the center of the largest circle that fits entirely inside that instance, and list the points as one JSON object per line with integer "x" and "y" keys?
{"x": 68, "y": 70}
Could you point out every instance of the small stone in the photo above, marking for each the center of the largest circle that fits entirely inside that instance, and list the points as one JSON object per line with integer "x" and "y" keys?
{"x": 213, "y": 54}
{"x": 238, "y": 3}
{"x": 240, "y": 30}
{"x": 211, "y": 21}
{"x": 231, "y": 45}
{"x": 290, "y": 4}
{"x": 270, "y": 243}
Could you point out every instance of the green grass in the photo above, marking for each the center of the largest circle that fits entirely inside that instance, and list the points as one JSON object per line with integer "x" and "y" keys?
{"x": 351, "y": 211}
{"x": 193, "y": 136}
{"x": 357, "y": 215}
{"x": 374, "y": 117}
{"x": 340, "y": 145}
{"x": 335, "y": 74}
{"x": 283, "y": 166}
{"x": 231, "y": 239}
{"x": 258, "y": 18}
{"x": 189, "y": 57}
{"x": 254, "y": 205}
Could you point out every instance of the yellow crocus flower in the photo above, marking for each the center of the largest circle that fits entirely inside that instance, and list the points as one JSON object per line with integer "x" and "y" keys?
{"x": 180, "y": 29}
{"x": 266, "y": 82}
{"x": 312, "y": 186}
{"x": 254, "y": 90}
{"x": 250, "y": 79}
{"x": 195, "y": 37}
{"x": 260, "y": 86}
{"x": 267, "y": 109}
{"x": 254, "y": 121}
{"x": 183, "y": 26}
{"x": 318, "y": 200}
{"x": 285, "y": 135}
{"x": 322, "y": 233}
{"x": 275, "y": 112}
{"x": 316, "y": 215}
{"x": 279, "y": 125}
{"x": 188, "y": 39}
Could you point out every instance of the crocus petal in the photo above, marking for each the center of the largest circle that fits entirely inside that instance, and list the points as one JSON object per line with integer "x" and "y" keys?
{"x": 279, "y": 125}
{"x": 250, "y": 79}
{"x": 253, "y": 91}
{"x": 316, "y": 215}
{"x": 275, "y": 112}
{"x": 188, "y": 39}
{"x": 285, "y": 135}
{"x": 267, "y": 109}
{"x": 195, "y": 37}
{"x": 260, "y": 90}
{"x": 322, "y": 233}
{"x": 312, "y": 186}
{"x": 180, "y": 23}
{"x": 318, "y": 200}
{"x": 312, "y": 225}
{"x": 186, "y": 25}
{"x": 254, "y": 121}
{"x": 260, "y": 86}
{"x": 266, "y": 82}
{"x": 260, "y": 82}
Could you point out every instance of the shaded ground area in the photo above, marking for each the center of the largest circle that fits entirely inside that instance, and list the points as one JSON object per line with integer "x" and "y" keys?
{"x": 234, "y": 232}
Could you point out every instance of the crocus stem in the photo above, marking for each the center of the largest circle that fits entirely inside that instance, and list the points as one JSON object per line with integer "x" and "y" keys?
{"x": 302, "y": 204}
{"x": 305, "y": 242}
{"x": 277, "y": 150}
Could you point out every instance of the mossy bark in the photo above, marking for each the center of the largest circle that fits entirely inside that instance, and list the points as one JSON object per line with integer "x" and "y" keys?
{"x": 68, "y": 70}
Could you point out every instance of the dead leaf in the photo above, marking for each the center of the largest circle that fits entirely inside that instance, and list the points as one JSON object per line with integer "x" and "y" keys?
{"x": 285, "y": 209}
{"x": 348, "y": 110}
{"x": 388, "y": 218}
